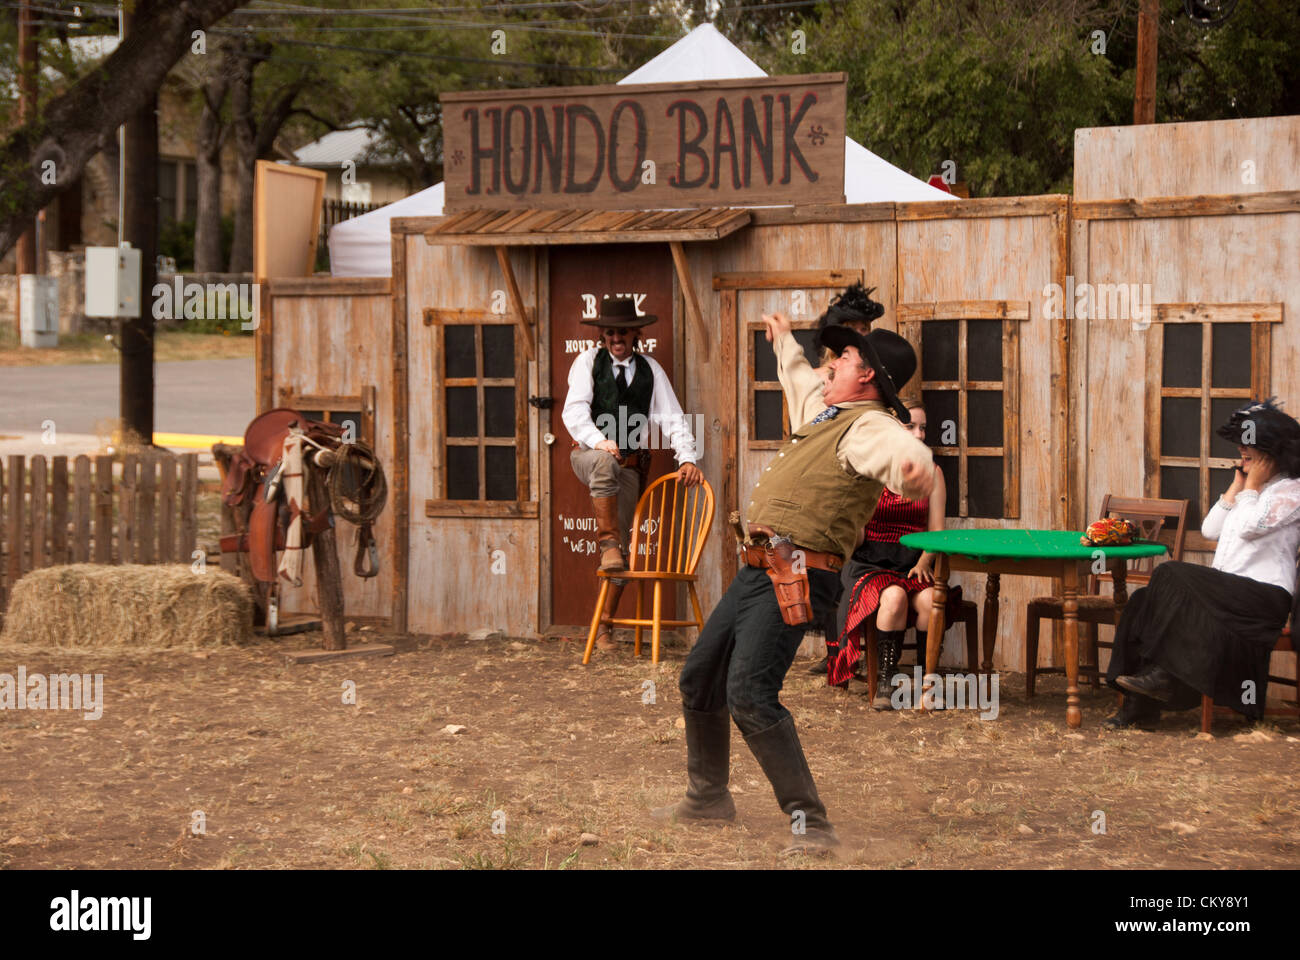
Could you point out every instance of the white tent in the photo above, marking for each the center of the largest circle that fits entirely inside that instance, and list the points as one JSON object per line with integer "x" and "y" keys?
{"x": 362, "y": 246}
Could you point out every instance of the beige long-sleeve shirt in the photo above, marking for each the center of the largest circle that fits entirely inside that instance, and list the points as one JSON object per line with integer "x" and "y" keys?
{"x": 875, "y": 447}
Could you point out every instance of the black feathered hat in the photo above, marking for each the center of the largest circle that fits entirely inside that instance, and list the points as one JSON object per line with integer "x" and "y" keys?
{"x": 854, "y": 305}
{"x": 1262, "y": 425}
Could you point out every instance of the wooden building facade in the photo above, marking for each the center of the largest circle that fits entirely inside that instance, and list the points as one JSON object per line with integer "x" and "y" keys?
{"x": 1072, "y": 346}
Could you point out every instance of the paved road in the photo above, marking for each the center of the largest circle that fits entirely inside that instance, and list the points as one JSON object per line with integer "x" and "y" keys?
{"x": 197, "y": 396}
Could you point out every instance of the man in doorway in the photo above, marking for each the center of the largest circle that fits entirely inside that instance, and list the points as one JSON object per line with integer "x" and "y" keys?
{"x": 802, "y": 521}
{"x": 618, "y": 400}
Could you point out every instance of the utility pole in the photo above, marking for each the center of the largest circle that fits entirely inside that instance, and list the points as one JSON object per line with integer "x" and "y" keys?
{"x": 140, "y": 228}
{"x": 25, "y": 251}
{"x": 1144, "y": 94}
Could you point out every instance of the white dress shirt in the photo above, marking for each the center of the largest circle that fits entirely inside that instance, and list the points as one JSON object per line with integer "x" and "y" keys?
{"x": 1259, "y": 533}
{"x": 665, "y": 412}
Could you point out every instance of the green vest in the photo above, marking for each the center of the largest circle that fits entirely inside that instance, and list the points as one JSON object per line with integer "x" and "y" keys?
{"x": 620, "y": 404}
{"x": 805, "y": 494}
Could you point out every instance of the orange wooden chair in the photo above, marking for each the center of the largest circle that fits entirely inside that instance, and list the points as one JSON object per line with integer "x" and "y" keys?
{"x": 1285, "y": 644}
{"x": 1151, "y": 516}
{"x": 682, "y": 516}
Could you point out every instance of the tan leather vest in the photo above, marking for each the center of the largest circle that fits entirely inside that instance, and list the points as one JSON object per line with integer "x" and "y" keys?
{"x": 805, "y": 494}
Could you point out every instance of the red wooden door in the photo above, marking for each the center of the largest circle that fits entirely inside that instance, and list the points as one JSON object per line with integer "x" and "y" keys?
{"x": 580, "y": 277}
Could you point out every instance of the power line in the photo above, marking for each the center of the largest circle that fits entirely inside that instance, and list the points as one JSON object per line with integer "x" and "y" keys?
{"x": 427, "y": 56}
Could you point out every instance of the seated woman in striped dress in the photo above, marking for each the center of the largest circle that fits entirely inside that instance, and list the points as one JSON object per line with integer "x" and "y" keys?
{"x": 885, "y": 579}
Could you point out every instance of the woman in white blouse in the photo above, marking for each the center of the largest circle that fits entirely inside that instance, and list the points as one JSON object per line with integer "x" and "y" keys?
{"x": 1209, "y": 630}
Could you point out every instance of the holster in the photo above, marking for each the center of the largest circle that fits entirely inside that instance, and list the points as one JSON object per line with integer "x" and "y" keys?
{"x": 792, "y": 592}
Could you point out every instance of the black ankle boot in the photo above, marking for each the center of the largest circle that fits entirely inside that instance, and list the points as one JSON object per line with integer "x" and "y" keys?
{"x": 708, "y": 768}
{"x": 1135, "y": 711}
{"x": 889, "y": 647}
{"x": 780, "y": 754}
{"x": 1155, "y": 682}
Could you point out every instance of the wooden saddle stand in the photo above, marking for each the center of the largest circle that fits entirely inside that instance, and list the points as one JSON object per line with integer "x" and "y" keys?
{"x": 262, "y": 501}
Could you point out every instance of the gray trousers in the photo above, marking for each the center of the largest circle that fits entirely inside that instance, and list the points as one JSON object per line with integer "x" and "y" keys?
{"x": 600, "y": 472}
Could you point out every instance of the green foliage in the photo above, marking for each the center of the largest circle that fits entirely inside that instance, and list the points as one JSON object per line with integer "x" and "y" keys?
{"x": 999, "y": 86}
{"x": 176, "y": 240}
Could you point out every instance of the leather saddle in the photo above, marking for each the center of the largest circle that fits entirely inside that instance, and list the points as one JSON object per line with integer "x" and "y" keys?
{"x": 255, "y": 473}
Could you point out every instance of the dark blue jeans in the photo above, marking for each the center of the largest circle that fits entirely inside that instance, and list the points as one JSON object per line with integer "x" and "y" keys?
{"x": 745, "y": 650}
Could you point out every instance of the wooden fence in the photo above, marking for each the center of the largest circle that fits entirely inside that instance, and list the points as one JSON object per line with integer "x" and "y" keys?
{"x": 50, "y": 514}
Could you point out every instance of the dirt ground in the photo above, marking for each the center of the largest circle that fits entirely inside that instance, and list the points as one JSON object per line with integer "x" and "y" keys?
{"x": 288, "y": 775}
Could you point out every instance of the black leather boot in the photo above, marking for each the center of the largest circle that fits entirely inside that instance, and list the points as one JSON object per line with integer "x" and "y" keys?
{"x": 889, "y": 647}
{"x": 1135, "y": 711}
{"x": 780, "y": 754}
{"x": 708, "y": 768}
{"x": 1155, "y": 682}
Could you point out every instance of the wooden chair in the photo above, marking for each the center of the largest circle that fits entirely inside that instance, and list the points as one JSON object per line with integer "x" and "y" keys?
{"x": 1094, "y": 607}
{"x": 968, "y": 616}
{"x": 683, "y": 517}
{"x": 1284, "y": 644}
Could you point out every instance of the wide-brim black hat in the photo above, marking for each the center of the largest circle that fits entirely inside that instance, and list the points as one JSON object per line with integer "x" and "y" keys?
{"x": 886, "y": 352}
{"x": 620, "y": 312}
{"x": 1262, "y": 425}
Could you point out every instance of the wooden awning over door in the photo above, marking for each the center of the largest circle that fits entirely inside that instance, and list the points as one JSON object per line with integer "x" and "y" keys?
{"x": 513, "y": 228}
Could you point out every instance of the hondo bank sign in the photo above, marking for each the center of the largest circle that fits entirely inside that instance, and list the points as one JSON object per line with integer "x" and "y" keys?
{"x": 774, "y": 140}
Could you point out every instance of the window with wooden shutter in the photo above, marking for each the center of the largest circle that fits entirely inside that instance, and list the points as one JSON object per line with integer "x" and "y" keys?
{"x": 480, "y": 415}
{"x": 968, "y": 361}
{"x": 1204, "y": 360}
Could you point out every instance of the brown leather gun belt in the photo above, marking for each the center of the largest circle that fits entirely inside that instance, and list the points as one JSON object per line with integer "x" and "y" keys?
{"x": 756, "y": 556}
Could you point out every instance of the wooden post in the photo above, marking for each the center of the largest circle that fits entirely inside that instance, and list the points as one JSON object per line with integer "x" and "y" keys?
{"x": 517, "y": 302}
{"x": 189, "y": 507}
{"x": 59, "y": 511}
{"x": 103, "y": 509}
{"x": 1144, "y": 94}
{"x": 126, "y": 519}
{"x": 17, "y": 478}
{"x": 81, "y": 510}
{"x": 693, "y": 311}
{"x": 325, "y": 556}
{"x": 144, "y": 550}
{"x": 39, "y": 496}
{"x": 25, "y": 249}
{"x": 167, "y": 510}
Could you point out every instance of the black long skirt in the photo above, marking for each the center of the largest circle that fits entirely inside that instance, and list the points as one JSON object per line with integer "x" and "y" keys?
{"x": 1213, "y": 631}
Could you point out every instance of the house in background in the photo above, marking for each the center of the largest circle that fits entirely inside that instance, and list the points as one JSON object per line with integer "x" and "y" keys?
{"x": 357, "y": 170}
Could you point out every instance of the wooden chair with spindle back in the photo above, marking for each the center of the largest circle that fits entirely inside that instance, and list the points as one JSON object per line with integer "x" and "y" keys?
{"x": 682, "y": 516}
{"x": 1151, "y": 516}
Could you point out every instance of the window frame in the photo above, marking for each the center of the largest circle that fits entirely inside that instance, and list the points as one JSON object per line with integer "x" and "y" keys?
{"x": 753, "y": 388}
{"x": 1011, "y": 313}
{"x": 441, "y": 505}
{"x": 1259, "y": 316}
{"x": 362, "y": 403}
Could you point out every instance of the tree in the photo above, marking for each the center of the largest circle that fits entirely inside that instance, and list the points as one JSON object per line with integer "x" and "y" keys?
{"x": 74, "y": 126}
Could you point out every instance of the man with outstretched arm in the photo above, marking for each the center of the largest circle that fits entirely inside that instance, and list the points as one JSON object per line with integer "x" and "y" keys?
{"x": 801, "y": 522}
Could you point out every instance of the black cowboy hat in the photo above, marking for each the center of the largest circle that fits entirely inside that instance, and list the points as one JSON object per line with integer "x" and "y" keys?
{"x": 886, "y": 352}
{"x": 1269, "y": 430}
{"x": 620, "y": 312}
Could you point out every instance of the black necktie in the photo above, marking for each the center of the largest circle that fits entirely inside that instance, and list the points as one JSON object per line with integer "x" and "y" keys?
{"x": 622, "y": 378}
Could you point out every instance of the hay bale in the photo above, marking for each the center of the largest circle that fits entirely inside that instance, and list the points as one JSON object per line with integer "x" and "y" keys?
{"x": 147, "y": 607}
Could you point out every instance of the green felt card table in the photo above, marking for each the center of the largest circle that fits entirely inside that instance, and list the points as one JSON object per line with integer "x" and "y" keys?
{"x": 1027, "y": 553}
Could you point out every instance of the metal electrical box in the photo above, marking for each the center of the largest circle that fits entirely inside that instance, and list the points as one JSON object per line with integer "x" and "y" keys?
{"x": 38, "y": 310}
{"x": 112, "y": 281}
